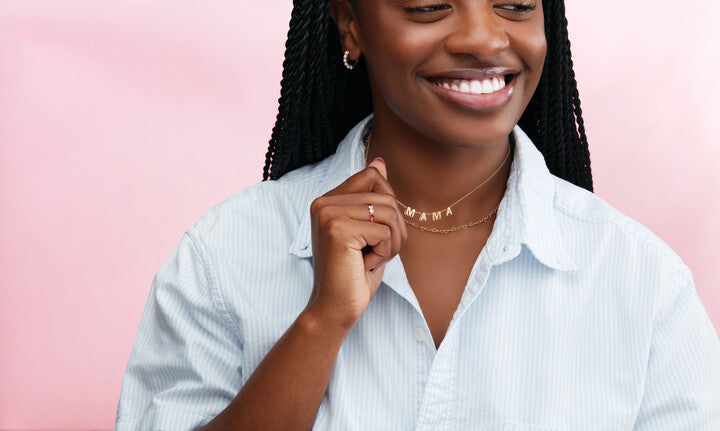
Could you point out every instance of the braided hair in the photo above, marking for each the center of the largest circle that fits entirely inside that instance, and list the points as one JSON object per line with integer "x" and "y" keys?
{"x": 313, "y": 116}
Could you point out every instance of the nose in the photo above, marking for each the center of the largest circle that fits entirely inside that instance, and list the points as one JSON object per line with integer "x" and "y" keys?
{"x": 478, "y": 33}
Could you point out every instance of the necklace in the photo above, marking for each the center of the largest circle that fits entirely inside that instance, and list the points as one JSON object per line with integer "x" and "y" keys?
{"x": 454, "y": 228}
{"x": 437, "y": 215}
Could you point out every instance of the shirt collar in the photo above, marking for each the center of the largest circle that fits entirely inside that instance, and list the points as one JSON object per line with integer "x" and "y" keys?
{"x": 526, "y": 214}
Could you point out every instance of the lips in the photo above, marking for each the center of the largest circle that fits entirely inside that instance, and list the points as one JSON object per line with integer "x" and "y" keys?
{"x": 475, "y": 89}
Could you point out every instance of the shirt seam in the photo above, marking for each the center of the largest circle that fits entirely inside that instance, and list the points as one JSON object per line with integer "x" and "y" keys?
{"x": 677, "y": 266}
{"x": 671, "y": 298}
{"x": 300, "y": 181}
{"x": 216, "y": 295}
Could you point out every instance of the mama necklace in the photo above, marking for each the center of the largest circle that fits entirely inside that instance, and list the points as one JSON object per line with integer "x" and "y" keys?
{"x": 437, "y": 215}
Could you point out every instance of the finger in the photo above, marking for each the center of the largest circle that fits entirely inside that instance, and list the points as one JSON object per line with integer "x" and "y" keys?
{"x": 385, "y": 187}
{"x": 379, "y": 164}
{"x": 376, "y": 235}
{"x": 366, "y": 198}
{"x": 382, "y": 214}
{"x": 371, "y": 179}
{"x": 376, "y": 199}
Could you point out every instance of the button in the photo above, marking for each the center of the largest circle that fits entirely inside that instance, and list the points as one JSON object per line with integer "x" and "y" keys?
{"x": 419, "y": 334}
{"x": 505, "y": 248}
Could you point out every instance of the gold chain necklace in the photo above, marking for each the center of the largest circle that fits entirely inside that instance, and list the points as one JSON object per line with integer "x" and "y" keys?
{"x": 454, "y": 228}
{"x": 436, "y": 214}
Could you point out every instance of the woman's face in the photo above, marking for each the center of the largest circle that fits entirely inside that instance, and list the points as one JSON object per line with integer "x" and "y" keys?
{"x": 416, "y": 49}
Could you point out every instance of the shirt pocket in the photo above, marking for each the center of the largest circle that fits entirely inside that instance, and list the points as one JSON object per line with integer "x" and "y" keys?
{"x": 516, "y": 426}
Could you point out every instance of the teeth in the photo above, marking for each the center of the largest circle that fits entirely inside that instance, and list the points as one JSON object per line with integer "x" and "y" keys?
{"x": 485, "y": 86}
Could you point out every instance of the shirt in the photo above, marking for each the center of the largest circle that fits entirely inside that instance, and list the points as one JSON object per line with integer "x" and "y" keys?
{"x": 574, "y": 317}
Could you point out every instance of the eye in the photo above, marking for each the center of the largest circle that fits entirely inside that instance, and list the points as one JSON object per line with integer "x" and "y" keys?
{"x": 428, "y": 13}
{"x": 428, "y": 8}
{"x": 518, "y": 7}
{"x": 519, "y": 11}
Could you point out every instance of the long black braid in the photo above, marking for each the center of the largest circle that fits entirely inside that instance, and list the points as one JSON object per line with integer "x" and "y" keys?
{"x": 313, "y": 115}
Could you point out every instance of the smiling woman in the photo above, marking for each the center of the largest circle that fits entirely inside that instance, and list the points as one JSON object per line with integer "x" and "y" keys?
{"x": 405, "y": 50}
{"x": 410, "y": 48}
{"x": 504, "y": 295}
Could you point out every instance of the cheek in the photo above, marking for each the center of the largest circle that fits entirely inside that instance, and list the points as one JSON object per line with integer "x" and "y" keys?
{"x": 402, "y": 49}
{"x": 395, "y": 48}
{"x": 537, "y": 49}
{"x": 532, "y": 48}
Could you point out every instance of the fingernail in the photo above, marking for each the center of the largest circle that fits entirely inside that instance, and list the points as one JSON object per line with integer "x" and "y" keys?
{"x": 380, "y": 159}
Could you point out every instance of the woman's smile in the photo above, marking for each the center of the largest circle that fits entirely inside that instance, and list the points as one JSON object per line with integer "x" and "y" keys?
{"x": 474, "y": 89}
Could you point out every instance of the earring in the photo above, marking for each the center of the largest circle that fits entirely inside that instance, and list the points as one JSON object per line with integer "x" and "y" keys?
{"x": 346, "y": 63}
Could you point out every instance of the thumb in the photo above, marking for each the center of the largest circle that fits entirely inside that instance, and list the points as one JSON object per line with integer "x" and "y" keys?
{"x": 379, "y": 164}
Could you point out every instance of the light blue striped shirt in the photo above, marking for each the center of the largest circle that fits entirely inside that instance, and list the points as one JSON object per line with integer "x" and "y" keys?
{"x": 574, "y": 317}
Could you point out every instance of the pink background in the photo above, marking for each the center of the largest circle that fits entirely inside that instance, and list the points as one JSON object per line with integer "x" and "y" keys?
{"x": 122, "y": 122}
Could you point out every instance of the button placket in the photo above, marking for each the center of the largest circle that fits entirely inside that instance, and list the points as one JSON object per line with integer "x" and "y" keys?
{"x": 439, "y": 393}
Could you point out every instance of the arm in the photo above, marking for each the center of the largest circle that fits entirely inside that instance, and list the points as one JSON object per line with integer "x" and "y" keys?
{"x": 285, "y": 390}
{"x": 183, "y": 368}
{"x": 682, "y": 388}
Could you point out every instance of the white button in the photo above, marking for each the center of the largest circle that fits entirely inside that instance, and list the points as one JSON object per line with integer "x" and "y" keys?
{"x": 419, "y": 334}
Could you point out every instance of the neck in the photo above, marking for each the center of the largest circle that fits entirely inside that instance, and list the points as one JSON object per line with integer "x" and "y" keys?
{"x": 428, "y": 175}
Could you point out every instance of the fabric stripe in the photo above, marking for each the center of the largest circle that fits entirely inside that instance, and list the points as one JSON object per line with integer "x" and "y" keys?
{"x": 574, "y": 317}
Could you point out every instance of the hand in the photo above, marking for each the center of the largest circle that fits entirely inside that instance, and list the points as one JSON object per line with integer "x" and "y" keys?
{"x": 350, "y": 251}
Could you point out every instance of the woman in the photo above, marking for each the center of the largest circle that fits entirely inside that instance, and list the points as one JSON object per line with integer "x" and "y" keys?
{"x": 465, "y": 278}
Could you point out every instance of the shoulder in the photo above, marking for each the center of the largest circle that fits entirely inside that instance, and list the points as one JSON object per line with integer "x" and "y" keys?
{"x": 586, "y": 217}
{"x": 244, "y": 244}
{"x": 267, "y": 208}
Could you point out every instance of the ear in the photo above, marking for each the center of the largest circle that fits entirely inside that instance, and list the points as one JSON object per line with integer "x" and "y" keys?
{"x": 345, "y": 17}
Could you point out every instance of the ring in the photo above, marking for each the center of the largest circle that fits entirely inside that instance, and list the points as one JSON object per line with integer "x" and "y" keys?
{"x": 372, "y": 212}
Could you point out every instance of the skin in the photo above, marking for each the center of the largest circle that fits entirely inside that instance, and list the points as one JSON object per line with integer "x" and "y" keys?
{"x": 435, "y": 151}
{"x": 431, "y": 153}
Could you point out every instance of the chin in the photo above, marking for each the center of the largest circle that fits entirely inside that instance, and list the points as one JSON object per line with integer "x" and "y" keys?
{"x": 477, "y": 134}
{"x": 468, "y": 129}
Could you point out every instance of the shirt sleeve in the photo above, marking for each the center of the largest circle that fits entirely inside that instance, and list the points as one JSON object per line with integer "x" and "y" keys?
{"x": 682, "y": 387}
{"x": 184, "y": 367}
